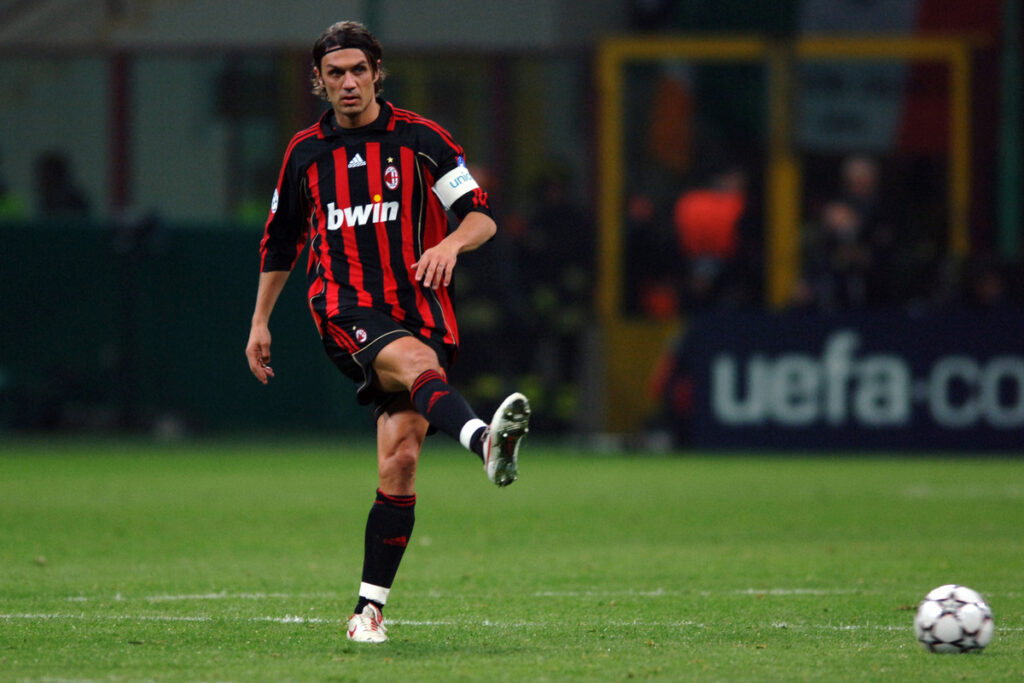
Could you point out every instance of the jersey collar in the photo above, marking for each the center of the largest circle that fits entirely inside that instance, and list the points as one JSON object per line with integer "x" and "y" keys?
{"x": 329, "y": 125}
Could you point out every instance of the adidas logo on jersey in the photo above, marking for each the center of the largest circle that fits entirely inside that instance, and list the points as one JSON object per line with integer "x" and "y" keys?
{"x": 354, "y": 216}
{"x": 356, "y": 161}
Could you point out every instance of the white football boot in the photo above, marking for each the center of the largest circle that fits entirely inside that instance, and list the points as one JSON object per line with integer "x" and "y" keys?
{"x": 368, "y": 626}
{"x": 508, "y": 427}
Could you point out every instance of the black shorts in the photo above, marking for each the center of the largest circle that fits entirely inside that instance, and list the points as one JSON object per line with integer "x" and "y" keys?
{"x": 354, "y": 337}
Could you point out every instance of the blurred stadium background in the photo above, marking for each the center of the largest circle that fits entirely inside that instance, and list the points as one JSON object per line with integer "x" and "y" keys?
{"x": 793, "y": 224}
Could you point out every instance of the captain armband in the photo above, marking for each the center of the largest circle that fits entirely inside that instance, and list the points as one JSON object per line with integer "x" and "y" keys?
{"x": 453, "y": 185}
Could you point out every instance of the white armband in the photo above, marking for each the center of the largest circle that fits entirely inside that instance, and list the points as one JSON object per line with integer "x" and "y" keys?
{"x": 453, "y": 185}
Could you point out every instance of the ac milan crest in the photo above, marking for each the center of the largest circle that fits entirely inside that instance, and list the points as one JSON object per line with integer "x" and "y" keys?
{"x": 361, "y": 335}
{"x": 391, "y": 177}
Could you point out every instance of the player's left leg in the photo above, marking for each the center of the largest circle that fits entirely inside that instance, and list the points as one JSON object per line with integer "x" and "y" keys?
{"x": 400, "y": 434}
{"x": 409, "y": 364}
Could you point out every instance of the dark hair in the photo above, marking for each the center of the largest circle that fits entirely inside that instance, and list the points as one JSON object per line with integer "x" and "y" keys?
{"x": 341, "y": 36}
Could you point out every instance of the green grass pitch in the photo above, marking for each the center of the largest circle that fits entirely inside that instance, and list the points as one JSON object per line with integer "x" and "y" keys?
{"x": 239, "y": 560}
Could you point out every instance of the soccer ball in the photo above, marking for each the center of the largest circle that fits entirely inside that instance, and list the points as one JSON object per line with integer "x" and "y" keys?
{"x": 955, "y": 619}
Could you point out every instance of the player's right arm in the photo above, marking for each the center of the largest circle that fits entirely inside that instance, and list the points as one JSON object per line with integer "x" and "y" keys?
{"x": 283, "y": 238}
{"x": 257, "y": 351}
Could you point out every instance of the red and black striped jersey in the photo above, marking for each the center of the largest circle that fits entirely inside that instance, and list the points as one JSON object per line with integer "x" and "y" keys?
{"x": 369, "y": 201}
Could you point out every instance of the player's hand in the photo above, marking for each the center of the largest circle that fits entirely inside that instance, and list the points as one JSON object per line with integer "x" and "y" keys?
{"x": 257, "y": 351}
{"x": 436, "y": 265}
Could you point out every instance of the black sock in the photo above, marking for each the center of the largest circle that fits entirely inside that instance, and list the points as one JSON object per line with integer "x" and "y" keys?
{"x": 446, "y": 409}
{"x": 388, "y": 529}
{"x": 363, "y": 602}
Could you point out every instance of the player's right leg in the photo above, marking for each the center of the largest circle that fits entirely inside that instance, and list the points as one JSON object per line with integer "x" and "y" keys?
{"x": 400, "y": 434}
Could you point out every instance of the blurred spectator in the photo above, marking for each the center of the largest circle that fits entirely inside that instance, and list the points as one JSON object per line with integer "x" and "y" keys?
{"x": 984, "y": 284}
{"x": 841, "y": 260}
{"x": 652, "y": 261}
{"x": 851, "y": 257}
{"x": 671, "y": 131}
{"x": 860, "y": 191}
{"x": 709, "y": 224}
{"x": 706, "y": 218}
{"x": 859, "y": 188}
{"x": 802, "y": 297}
{"x": 58, "y": 193}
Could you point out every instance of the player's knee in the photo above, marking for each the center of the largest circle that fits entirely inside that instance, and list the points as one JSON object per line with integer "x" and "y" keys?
{"x": 400, "y": 464}
{"x": 402, "y": 362}
{"x": 423, "y": 358}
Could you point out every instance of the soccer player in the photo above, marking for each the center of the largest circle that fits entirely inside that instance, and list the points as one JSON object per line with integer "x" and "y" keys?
{"x": 369, "y": 188}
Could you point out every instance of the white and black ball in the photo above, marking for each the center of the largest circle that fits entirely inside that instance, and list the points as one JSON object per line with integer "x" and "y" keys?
{"x": 954, "y": 619}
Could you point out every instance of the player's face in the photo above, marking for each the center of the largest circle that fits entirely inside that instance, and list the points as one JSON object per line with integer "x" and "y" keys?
{"x": 349, "y": 80}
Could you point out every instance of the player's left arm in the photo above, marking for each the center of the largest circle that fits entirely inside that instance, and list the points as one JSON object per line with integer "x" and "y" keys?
{"x": 436, "y": 265}
{"x": 459, "y": 194}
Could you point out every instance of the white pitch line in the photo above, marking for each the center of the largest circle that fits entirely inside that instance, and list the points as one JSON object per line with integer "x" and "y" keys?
{"x": 287, "y": 619}
{"x": 108, "y": 617}
{"x": 661, "y": 592}
{"x": 222, "y": 595}
{"x": 299, "y": 620}
{"x": 641, "y": 593}
{"x": 800, "y": 591}
{"x": 290, "y": 619}
{"x": 656, "y": 593}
